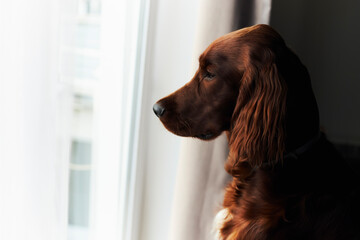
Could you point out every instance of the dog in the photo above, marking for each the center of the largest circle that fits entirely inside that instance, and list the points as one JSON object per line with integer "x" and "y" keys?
{"x": 288, "y": 182}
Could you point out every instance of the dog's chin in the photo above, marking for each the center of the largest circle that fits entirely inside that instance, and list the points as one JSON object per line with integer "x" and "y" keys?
{"x": 202, "y": 136}
{"x": 186, "y": 133}
{"x": 206, "y": 136}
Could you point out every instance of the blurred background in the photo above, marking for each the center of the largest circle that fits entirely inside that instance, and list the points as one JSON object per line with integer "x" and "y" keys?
{"x": 82, "y": 156}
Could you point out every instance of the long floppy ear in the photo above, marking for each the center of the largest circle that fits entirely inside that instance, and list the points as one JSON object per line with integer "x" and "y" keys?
{"x": 257, "y": 134}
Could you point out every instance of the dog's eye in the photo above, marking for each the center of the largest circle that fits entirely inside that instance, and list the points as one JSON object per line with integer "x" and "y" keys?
{"x": 209, "y": 76}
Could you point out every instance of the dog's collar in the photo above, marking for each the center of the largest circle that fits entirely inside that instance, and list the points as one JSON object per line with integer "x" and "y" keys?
{"x": 304, "y": 148}
{"x": 294, "y": 155}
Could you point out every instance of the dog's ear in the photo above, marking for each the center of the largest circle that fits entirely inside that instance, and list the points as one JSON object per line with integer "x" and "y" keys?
{"x": 257, "y": 134}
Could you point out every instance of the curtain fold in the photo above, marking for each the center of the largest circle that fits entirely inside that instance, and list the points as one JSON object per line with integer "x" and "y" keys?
{"x": 201, "y": 177}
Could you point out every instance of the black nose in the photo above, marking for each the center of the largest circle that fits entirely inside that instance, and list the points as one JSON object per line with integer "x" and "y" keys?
{"x": 158, "y": 109}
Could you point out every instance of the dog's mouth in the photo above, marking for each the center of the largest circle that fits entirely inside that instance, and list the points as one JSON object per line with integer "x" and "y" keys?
{"x": 205, "y": 136}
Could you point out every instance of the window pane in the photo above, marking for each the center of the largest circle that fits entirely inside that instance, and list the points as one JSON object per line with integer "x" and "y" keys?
{"x": 88, "y": 35}
{"x": 89, "y": 7}
{"x": 79, "y": 198}
{"x": 80, "y": 64}
{"x": 81, "y": 153}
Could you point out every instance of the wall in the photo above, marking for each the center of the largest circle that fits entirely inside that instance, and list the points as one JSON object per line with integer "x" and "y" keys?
{"x": 326, "y": 36}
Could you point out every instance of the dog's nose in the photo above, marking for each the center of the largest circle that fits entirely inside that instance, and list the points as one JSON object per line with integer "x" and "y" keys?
{"x": 158, "y": 109}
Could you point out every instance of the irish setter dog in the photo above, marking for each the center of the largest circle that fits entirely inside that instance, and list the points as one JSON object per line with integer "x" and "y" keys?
{"x": 289, "y": 182}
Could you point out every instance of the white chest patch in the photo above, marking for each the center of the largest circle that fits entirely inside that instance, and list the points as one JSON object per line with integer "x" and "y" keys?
{"x": 221, "y": 217}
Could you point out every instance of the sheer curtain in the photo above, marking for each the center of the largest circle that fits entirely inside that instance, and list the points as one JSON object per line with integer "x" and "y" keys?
{"x": 52, "y": 67}
{"x": 201, "y": 177}
{"x": 33, "y": 182}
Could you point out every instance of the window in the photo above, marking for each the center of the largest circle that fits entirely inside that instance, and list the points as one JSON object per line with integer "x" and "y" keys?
{"x": 80, "y": 62}
{"x": 104, "y": 94}
{"x": 68, "y": 177}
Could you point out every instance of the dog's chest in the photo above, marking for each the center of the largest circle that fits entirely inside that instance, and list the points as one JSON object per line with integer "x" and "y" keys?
{"x": 231, "y": 227}
{"x": 249, "y": 213}
{"x": 220, "y": 220}
{"x": 228, "y": 226}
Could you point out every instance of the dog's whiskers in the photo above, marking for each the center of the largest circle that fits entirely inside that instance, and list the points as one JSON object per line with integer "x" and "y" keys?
{"x": 185, "y": 124}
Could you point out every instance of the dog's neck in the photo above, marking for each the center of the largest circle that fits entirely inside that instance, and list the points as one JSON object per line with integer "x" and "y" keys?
{"x": 245, "y": 170}
{"x": 301, "y": 150}
{"x": 305, "y": 147}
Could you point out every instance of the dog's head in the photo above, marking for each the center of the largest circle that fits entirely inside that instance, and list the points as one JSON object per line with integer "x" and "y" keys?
{"x": 245, "y": 84}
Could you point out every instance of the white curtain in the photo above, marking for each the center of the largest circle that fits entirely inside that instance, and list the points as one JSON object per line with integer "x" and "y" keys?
{"x": 33, "y": 179}
{"x": 201, "y": 177}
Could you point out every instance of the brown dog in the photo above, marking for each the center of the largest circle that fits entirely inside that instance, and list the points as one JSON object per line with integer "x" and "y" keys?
{"x": 288, "y": 180}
